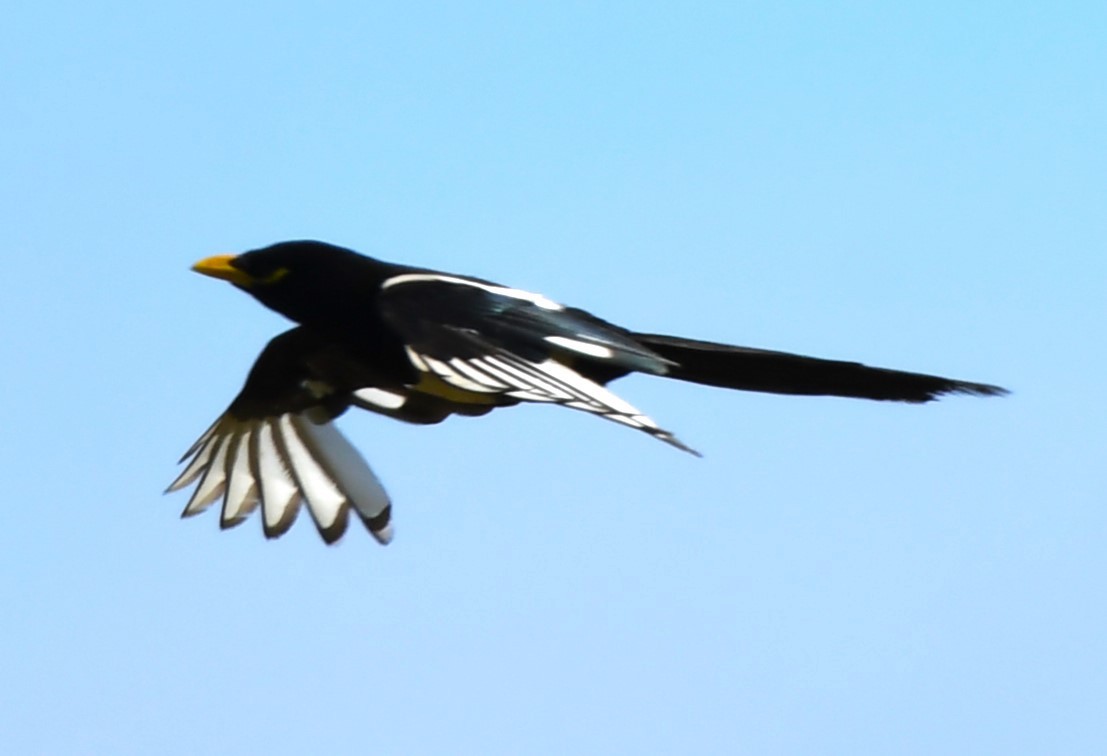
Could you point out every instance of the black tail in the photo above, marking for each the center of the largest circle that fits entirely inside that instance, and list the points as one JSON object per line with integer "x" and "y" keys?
{"x": 782, "y": 373}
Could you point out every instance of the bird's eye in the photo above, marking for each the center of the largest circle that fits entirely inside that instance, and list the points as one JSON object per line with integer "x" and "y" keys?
{"x": 273, "y": 277}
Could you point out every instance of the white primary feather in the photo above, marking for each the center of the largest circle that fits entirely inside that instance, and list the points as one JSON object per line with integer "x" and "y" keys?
{"x": 324, "y": 500}
{"x": 214, "y": 478}
{"x": 280, "y": 496}
{"x": 350, "y": 473}
{"x": 241, "y": 495}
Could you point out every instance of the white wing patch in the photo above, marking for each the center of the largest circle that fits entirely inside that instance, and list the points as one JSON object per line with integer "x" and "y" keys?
{"x": 502, "y": 372}
{"x": 381, "y": 398}
{"x": 277, "y": 463}
{"x": 527, "y": 296}
{"x": 582, "y": 347}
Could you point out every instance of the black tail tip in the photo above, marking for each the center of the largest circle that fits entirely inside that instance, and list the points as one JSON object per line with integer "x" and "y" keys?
{"x": 971, "y": 389}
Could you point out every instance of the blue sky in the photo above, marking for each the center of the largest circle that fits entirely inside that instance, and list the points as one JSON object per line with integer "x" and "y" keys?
{"x": 919, "y": 187}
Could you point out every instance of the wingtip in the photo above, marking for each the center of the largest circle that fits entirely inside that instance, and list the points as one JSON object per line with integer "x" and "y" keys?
{"x": 226, "y": 523}
{"x": 672, "y": 440}
{"x": 189, "y": 512}
{"x": 281, "y": 524}
{"x": 379, "y": 525}
{"x": 384, "y": 535}
{"x": 332, "y": 533}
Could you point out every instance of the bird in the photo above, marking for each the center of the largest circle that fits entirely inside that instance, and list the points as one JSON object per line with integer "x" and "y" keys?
{"x": 420, "y": 345}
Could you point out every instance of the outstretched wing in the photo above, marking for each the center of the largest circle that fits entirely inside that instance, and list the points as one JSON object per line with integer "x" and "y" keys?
{"x": 485, "y": 340}
{"x": 275, "y": 447}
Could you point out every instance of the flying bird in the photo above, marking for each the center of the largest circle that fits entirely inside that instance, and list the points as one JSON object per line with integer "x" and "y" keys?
{"x": 420, "y": 345}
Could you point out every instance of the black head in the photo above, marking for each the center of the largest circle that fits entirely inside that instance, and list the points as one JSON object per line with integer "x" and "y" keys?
{"x": 310, "y": 282}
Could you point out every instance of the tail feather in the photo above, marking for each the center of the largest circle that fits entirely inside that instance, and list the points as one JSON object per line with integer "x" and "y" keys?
{"x": 783, "y": 373}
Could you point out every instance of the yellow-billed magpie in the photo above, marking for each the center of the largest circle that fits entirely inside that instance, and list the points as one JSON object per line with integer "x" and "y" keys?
{"x": 419, "y": 345}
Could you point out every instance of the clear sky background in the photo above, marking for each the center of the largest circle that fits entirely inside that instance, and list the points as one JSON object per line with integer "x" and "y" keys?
{"x": 915, "y": 185}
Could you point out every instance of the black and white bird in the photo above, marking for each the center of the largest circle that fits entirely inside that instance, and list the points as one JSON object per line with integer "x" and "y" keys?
{"x": 420, "y": 345}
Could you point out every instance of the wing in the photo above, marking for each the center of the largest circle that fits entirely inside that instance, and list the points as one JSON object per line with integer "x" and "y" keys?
{"x": 275, "y": 447}
{"x": 483, "y": 340}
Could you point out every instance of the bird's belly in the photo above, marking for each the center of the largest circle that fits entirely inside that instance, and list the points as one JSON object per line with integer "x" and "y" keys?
{"x": 433, "y": 385}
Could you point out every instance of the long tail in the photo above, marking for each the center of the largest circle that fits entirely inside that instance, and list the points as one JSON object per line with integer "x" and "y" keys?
{"x": 782, "y": 373}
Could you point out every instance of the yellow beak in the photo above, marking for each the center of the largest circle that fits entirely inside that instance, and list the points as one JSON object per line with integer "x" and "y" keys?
{"x": 220, "y": 266}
